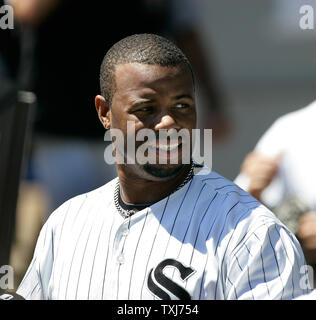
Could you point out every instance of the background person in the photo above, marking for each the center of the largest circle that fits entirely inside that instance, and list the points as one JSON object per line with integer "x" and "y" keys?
{"x": 281, "y": 173}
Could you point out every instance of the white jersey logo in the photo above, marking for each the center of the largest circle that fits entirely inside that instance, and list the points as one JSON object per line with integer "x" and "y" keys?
{"x": 164, "y": 288}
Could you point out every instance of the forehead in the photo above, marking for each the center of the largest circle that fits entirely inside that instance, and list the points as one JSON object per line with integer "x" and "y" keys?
{"x": 131, "y": 77}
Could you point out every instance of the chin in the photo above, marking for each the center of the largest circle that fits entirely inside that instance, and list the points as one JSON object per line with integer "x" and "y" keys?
{"x": 163, "y": 171}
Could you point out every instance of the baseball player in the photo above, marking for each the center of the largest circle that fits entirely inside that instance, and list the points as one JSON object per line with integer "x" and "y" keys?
{"x": 161, "y": 231}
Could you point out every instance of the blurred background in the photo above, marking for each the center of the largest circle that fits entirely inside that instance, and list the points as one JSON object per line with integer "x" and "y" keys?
{"x": 253, "y": 61}
{"x": 267, "y": 68}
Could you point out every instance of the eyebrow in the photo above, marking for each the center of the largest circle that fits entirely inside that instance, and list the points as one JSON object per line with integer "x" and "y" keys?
{"x": 182, "y": 96}
{"x": 144, "y": 101}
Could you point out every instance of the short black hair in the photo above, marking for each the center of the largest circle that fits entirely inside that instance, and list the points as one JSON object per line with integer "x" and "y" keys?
{"x": 139, "y": 48}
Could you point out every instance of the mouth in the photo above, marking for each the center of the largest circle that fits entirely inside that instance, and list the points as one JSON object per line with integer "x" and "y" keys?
{"x": 169, "y": 147}
{"x": 166, "y": 152}
{"x": 171, "y": 151}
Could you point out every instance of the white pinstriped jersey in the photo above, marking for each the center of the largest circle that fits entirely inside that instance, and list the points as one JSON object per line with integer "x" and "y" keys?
{"x": 208, "y": 240}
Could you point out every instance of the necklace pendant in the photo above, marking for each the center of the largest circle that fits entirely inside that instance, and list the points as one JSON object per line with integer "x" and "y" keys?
{"x": 131, "y": 212}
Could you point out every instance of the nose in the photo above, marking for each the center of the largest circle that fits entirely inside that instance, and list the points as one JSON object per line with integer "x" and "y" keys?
{"x": 166, "y": 122}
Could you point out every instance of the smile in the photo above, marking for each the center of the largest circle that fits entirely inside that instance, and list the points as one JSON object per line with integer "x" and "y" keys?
{"x": 165, "y": 147}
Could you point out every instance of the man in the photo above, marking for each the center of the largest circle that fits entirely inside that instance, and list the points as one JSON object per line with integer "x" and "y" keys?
{"x": 281, "y": 173}
{"x": 66, "y": 158}
{"x": 159, "y": 230}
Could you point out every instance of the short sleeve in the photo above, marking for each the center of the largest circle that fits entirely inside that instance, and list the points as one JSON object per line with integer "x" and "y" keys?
{"x": 272, "y": 143}
{"x": 267, "y": 265}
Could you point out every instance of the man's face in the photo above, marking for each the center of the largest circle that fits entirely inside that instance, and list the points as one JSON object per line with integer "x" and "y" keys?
{"x": 157, "y": 98}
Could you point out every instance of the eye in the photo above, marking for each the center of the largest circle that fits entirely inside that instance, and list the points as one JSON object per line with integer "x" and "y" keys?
{"x": 144, "y": 110}
{"x": 181, "y": 105}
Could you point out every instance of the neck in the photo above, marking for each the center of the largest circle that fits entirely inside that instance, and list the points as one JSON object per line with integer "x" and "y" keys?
{"x": 138, "y": 190}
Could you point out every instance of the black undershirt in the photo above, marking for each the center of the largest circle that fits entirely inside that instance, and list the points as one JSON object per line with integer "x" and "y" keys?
{"x": 132, "y": 206}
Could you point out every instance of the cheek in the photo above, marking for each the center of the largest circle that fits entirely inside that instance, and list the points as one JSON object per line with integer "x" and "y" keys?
{"x": 194, "y": 114}
{"x": 139, "y": 125}
{"x": 189, "y": 121}
{"x": 114, "y": 119}
{"x": 118, "y": 121}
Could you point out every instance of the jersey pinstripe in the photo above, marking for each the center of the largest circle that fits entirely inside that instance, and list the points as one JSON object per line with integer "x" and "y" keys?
{"x": 208, "y": 240}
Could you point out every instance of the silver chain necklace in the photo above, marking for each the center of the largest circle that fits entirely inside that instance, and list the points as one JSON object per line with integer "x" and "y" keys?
{"x": 127, "y": 213}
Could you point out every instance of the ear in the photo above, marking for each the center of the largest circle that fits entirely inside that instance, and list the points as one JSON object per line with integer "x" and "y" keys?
{"x": 103, "y": 110}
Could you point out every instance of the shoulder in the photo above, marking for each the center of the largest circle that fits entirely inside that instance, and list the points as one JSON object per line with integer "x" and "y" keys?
{"x": 297, "y": 116}
{"x": 229, "y": 199}
{"x": 281, "y": 133}
{"x": 80, "y": 205}
{"x": 234, "y": 212}
{"x": 225, "y": 189}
